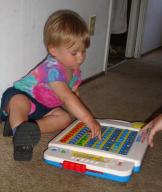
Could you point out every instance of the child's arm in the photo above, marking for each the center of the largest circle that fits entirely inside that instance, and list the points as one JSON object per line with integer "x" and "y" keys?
{"x": 155, "y": 125}
{"x": 76, "y": 107}
{"x": 76, "y": 91}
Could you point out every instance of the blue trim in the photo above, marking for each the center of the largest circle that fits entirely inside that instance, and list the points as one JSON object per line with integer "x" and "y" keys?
{"x": 137, "y": 169}
{"x": 53, "y": 163}
{"x": 109, "y": 176}
{"x": 95, "y": 174}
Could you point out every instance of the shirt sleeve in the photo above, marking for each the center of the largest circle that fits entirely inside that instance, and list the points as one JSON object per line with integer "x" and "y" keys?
{"x": 56, "y": 74}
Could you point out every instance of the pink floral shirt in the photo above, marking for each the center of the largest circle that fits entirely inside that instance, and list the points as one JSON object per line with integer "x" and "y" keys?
{"x": 36, "y": 82}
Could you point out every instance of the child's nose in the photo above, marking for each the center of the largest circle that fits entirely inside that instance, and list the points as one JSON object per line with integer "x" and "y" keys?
{"x": 80, "y": 55}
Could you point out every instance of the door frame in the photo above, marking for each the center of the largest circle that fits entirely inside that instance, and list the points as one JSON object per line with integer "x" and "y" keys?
{"x": 135, "y": 30}
{"x": 107, "y": 46}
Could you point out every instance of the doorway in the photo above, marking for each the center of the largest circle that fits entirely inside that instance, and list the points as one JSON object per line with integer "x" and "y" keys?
{"x": 118, "y": 40}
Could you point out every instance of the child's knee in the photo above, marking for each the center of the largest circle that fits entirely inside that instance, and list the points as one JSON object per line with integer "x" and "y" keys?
{"x": 19, "y": 100}
{"x": 66, "y": 117}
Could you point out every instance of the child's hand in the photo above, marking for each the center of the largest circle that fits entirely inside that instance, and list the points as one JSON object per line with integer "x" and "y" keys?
{"x": 155, "y": 125}
{"x": 95, "y": 128}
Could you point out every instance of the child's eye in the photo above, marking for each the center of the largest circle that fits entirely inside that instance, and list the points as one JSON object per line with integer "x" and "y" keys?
{"x": 73, "y": 53}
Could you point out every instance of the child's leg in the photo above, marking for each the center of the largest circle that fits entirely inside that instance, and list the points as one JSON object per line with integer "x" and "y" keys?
{"x": 26, "y": 137}
{"x": 27, "y": 134}
{"x": 56, "y": 119}
{"x": 18, "y": 109}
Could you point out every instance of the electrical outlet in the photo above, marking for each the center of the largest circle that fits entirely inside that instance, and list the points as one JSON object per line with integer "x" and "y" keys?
{"x": 92, "y": 22}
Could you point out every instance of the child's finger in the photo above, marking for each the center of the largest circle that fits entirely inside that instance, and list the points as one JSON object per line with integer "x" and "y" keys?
{"x": 95, "y": 133}
{"x": 151, "y": 136}
{"x": 89, "y": 132}
{"x": 150, "y": 140}
{"x": 99, "y": 135}
{"x": 148, "y": 126}
{"x": 92, "y": 133}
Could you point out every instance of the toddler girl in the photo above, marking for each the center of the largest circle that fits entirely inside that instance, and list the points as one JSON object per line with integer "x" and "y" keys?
{"x": 47, "y": 98}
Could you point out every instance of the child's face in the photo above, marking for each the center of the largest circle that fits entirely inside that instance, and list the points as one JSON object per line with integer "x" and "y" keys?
{"x": 70, "y": 58}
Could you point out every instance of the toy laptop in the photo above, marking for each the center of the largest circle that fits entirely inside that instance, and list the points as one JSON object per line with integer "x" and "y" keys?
{"x": 116, "y": 156}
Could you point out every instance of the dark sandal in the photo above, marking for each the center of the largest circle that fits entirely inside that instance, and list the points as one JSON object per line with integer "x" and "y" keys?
{"x": 26, "y": 137}
{"x": 7, "y": 130}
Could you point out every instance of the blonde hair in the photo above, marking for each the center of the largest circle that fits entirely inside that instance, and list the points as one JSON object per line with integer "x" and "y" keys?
{"x": 65, "y": 27}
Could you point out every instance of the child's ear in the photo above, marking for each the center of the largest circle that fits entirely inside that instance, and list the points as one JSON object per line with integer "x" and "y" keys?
{"x": 52, "y": 50}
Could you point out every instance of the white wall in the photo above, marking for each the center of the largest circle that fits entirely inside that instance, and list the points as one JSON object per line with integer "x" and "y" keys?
{"x": 21, "y": 35}
{"x": 152, "y": 37}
